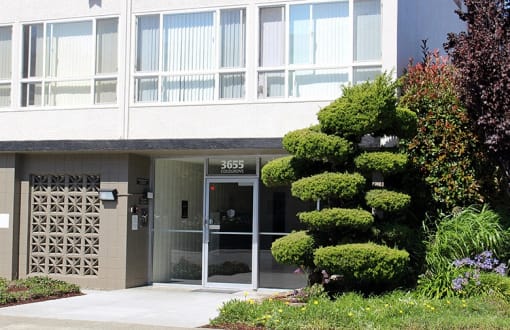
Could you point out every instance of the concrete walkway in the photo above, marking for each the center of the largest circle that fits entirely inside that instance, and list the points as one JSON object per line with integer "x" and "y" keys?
{"x": 152, "y": 307}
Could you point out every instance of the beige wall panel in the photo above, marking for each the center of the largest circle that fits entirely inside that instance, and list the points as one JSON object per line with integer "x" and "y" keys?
{"x": 113, "y": 172}
{"x": 9, "y": 205}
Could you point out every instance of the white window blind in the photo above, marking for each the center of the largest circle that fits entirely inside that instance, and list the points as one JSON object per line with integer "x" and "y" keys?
{"x": 195, "y": 66}
{"x": 367, "y": 34}
{"x": 106, "y": 45}
{"x": 233, "y": 29}
{"x": 5, "y": 65}
{"x": 65, "y": 43}
{"x": 188, "y": 47}
{"x": 105, "y": 85}
{"x": 147, "y": 58}
{"x": 5, "y": 52}
{"x": 272, "y": 37}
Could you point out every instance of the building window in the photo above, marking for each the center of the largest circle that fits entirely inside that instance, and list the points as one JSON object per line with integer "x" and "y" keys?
{"x": 70, "y": 64}
{"x": 191, "y": 66}
{"x": 311, "y": 50}
{"x": 5, "y": 65}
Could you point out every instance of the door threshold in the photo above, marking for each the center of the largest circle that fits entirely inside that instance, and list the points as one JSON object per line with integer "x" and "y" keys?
{"x": 214, "y": 290}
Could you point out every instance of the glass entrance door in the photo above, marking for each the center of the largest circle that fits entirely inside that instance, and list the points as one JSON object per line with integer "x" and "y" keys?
{"x": 230, "y": 233}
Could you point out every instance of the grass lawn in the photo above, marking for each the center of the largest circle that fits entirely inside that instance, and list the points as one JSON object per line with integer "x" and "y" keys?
{"x": 34, "y": 289}
{"x": 397, "y": 310}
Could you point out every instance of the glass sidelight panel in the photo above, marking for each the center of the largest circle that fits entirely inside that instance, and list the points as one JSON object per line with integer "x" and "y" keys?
{"x": 230, "y": 232}
{"x": 178, "y": 214}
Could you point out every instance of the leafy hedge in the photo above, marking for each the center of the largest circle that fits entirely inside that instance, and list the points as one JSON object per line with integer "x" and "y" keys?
{"x": 363, "y": 263}
{"x": 384, "y": 162}
{"x": 294, "y": 249}
{"x": 386, "y": 200}
{"x": 362, "y": 109}
{"x": 328, "y": 185}
{"x": 308, "y": 144}
{"x": 348, "y": 219}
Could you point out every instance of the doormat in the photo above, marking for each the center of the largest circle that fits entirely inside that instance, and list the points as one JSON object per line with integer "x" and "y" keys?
{"x": 227, "y": 291}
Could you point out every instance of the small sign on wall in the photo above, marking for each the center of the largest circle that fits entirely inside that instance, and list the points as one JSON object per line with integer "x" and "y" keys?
{"x": 134, "y": 222}
{"x": 4, "y": 221}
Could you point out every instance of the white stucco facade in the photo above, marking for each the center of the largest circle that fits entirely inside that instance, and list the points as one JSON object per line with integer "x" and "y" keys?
{"x": 404, "y": 24}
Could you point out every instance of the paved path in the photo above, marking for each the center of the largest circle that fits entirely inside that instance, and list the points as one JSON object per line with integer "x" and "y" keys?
{"x": 153, "y": 307}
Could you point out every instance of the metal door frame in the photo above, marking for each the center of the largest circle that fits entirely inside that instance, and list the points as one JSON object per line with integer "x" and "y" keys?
{"x": 254, "y": 182}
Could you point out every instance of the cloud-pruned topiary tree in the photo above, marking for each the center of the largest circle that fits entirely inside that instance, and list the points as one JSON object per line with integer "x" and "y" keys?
{"x": 359, "y": 230}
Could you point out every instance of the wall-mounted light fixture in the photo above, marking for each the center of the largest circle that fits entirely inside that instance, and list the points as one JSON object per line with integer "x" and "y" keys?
{"x": 108, "y": 194}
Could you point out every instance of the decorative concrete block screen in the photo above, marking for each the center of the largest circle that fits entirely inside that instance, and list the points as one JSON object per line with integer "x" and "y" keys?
{"x": 64, "y": 225}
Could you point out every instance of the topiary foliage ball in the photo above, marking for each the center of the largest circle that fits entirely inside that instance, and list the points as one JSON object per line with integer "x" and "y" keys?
{"x": 308, "y": 144}
{"x": 283, "y": 171}
{"x": 343, "y": 219}
{"x": 384, "y": 162}
{"x": 363, "y": 109}
{"x": 405, "y": 123}
{"x": 328, "y": 185}
{"x": 278, "y": 172}
{"x": 363, "y": 264}
{"x": 386, "y": 200}
{"x": 294, "y": 249}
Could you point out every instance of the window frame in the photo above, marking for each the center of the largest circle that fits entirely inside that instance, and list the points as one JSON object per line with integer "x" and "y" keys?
{"x": 351, "y": 67}
{"x": 7, "y": 81}
{"x": 45, "y": 78}
{"x": 217, "y": 70}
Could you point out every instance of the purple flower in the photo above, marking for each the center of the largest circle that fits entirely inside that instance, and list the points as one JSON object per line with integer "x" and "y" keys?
{"x": 457, "y": 283}
{"x": 501, "y": 269}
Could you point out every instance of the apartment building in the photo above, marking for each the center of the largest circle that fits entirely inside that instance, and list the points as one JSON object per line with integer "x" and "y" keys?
{"x": 132, "y": 132}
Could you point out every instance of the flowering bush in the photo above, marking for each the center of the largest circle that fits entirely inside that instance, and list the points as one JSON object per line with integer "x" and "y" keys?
{"x": 470, "y": 281}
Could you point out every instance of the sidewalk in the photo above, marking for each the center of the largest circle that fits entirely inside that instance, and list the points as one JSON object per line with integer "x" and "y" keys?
{"x": 152, "y": 307}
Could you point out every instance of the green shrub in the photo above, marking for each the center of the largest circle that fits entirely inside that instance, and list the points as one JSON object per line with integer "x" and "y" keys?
{"x": 445, "y": 149}
{"x": 495, "y": 284}
{"x": 402, "y": 236}
{"x": 406, "y": 123}
{"x": 308, "y": 144}
{"x": 294, "y": 249}
{"x": 384, "y": 162}
{"x": 278, "y": 172}
{"x": 343, "y": 219}
{"x": 363, "y": 264}
{"x": 386, "y": 200}
{"x": 283, "y": 171}
{"x": 328, "y": 185}
{"x": 437, "y": 285}
{"x": 464, "y": 234}
{"x": 35, "y": 287}
{"x": 362, "y": 109}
